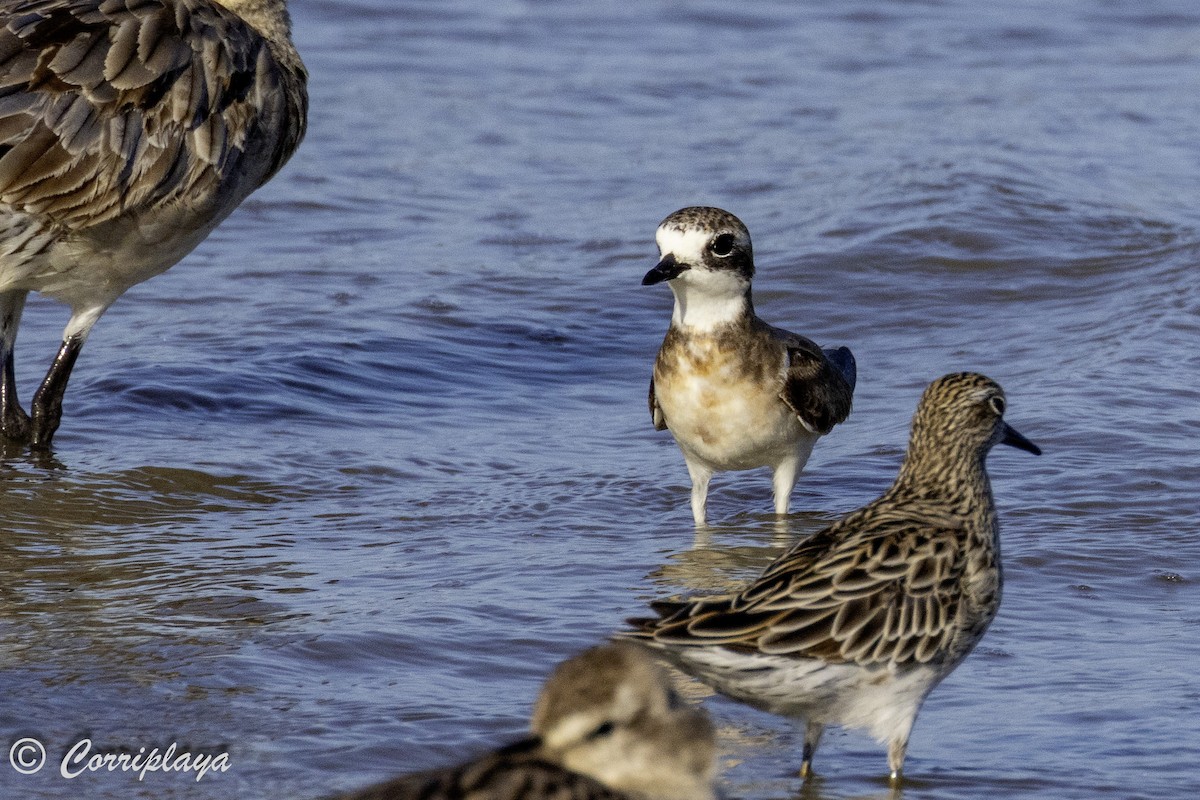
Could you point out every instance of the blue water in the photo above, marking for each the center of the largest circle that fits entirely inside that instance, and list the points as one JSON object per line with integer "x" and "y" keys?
{"x": 335, "y": 493}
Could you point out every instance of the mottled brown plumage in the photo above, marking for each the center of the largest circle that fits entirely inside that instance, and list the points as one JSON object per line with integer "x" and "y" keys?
{"x": 128, "y": 130}
{"x": 607, "y": 726}
{"x": 735, "y": 392}
{"x": 856, "y": 624}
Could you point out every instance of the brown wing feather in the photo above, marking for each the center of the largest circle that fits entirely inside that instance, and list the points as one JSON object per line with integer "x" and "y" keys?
{"x": 888, "y": 596}
{"x": 814, "y": 388}
{"x": 656, "y": 414}
{"x": 113, "y": 105}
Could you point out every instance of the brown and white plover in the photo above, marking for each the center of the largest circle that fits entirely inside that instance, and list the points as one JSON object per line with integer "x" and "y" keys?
{"x": 856, "y": 624}
{"x": 128, "y": 131}
{"x": 607, "y": 726}
{"x": 735, "y": 392}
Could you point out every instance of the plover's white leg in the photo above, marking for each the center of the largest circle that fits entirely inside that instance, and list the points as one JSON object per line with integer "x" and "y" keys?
{"x": 701, "y": 475}
{"x": 784, "y": 480}
{"x": 812, "y": 737}
{"x": 14, "y": 422}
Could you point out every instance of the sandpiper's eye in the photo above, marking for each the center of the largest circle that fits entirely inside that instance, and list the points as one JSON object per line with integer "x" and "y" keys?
{"x": 603, "y": 730}
{"x": 722, "y": 245}
{"x": 997, "y": 404}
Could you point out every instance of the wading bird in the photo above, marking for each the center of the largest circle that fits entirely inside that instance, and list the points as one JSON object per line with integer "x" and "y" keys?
{"x": 129, "y": 129}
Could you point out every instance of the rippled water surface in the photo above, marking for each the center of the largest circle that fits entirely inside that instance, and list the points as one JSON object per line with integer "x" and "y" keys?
{"x": 334, "y": 493}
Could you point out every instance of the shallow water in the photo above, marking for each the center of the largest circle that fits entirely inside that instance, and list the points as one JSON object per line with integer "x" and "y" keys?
{"x": 334, "y": 493}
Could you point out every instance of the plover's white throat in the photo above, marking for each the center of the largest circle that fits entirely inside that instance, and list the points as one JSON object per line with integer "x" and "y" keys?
{"x": 735, "y": 392}
{"x": 128, "y": 131}
{"x": 607, "y": 726}
{"x": 856, "y": 624}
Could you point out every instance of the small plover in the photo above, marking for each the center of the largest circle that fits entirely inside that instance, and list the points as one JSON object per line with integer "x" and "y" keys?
{"x": 607, "y": 726}
{"x": 856, "y": 624}
{"x": 735, "y": 392}
{"x": 128, "y": 131}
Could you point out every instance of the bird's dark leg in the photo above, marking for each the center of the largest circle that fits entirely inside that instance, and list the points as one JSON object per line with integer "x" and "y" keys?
{"x": 812, "y": 737}
{"x": 14, "y": 422}
{"x": 47, "y": 400}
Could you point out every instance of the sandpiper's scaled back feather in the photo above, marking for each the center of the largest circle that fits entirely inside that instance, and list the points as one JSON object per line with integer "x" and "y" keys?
{"x": 607, "y": 726}
{"x": 856, "y": 624}
{"x": 735, "y": 392}
{"x": 128, "y": 130}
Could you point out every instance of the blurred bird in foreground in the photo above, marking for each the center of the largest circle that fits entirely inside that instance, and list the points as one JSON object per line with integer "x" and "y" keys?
{"x": 607, "y": 726}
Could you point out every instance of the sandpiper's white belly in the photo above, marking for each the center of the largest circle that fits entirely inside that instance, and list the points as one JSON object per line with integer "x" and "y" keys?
{"x": 880, "y": 700}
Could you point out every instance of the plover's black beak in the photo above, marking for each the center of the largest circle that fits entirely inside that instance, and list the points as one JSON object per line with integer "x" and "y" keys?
{"x": 1015, "y": 439}
{"x": 664, "y": 270}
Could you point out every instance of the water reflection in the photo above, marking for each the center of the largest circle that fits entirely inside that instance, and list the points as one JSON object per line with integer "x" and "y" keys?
{"x": 112, "y": 563}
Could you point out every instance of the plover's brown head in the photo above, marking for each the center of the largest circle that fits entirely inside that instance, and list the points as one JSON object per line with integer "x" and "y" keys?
{"x": 706, "y": 257}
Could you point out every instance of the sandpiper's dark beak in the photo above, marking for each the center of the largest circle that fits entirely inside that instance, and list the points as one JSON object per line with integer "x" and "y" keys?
{"x": 1014, "y": 439}
{"x": 664, "y": 270}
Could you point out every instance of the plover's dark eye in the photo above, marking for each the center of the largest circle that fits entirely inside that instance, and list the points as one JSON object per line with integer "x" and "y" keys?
{"x": 997, "y": 404}
{"x": 722, "y": 245}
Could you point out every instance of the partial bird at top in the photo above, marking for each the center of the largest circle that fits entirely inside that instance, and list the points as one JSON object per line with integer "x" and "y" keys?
{"x": 129, "y": 129}
{"x": 735, "y": 392}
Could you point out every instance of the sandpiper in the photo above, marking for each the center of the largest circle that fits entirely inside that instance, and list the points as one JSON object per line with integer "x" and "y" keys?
{"x": 607, "y": 726}
{"x": 128, "y": 131}
{"x": 855, "y": 625}
{"x": 735, "y": 392}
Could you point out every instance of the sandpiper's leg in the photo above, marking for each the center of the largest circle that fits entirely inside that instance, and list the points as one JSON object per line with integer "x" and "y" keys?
{"x": 812, "y": 737}
{"x": 701, "y": 475}
{"x": 896, "y": 749}
{"x": 783, "y": 480}
{"x": 47, "y": 400}
{"x": 14, "y": 422}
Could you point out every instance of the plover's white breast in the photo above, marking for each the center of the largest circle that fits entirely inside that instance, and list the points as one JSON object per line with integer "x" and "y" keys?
{"x": 724, "y": 412}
